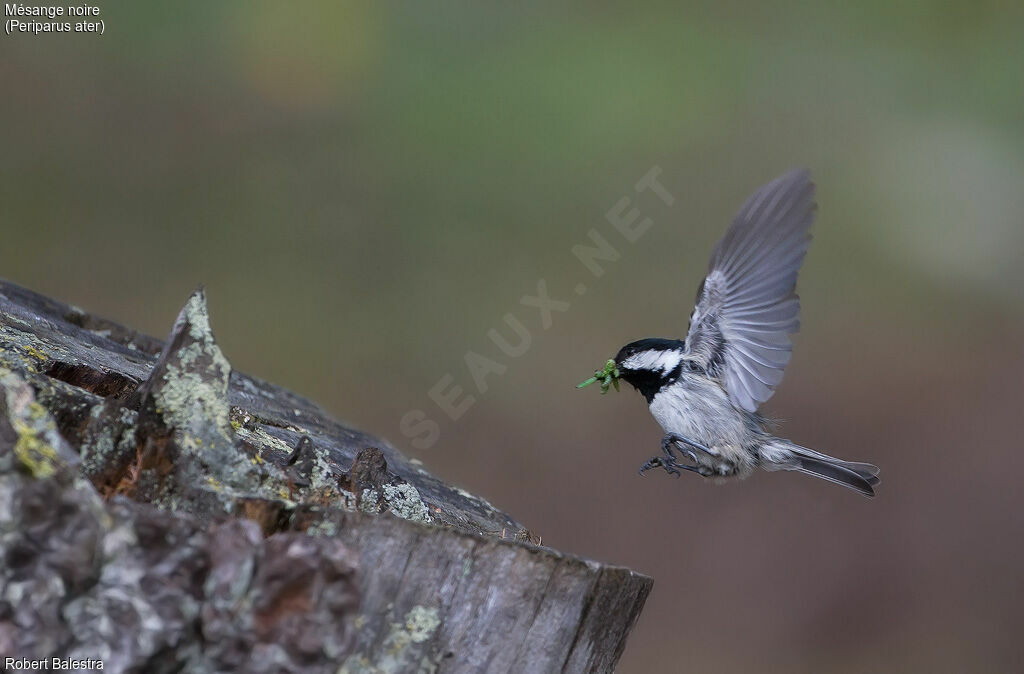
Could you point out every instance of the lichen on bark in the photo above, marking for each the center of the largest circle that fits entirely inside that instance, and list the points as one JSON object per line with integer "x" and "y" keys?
{"x": 189, "y": 586}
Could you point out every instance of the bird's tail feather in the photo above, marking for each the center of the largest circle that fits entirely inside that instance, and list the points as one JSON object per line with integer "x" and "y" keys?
{"x": 861, "y": 477}
{"x": 835, "y": 472}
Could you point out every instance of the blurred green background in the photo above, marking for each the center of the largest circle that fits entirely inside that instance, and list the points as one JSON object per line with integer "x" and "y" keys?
{"x": 367, "y": 188}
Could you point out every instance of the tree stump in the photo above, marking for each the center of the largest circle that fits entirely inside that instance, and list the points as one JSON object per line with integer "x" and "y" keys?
{"x": 160, "y": 511}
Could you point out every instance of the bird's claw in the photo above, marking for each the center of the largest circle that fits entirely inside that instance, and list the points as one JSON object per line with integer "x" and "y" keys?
{"x": 670, "y": 465}
{"x": 670, "y": 445}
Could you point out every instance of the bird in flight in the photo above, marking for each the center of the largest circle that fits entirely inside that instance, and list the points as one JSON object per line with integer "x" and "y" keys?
{"x": 705, "y": 390}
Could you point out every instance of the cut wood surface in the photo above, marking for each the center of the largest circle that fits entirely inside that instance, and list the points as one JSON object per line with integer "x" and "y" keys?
{"x": 163, "y": 512}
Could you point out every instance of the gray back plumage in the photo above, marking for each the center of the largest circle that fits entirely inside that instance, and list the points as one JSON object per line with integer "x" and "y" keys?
{"x": 747, "y": 306}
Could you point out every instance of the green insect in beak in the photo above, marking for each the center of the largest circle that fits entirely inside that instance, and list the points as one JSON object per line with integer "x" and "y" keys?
{"x": 609, "y": 376}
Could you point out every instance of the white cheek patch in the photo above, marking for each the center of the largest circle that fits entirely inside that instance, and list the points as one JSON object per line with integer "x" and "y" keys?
{"x": 666, "y": 361}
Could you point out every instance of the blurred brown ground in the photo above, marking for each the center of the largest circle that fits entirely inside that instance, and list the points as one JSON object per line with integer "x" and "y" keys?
{"x": 367, "y": 189}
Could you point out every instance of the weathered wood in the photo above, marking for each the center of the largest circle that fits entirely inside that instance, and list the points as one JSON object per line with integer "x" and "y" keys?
{"x": 442, "y": 582}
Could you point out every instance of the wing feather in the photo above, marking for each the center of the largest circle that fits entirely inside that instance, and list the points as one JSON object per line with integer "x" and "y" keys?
{"x": 747, "y": 306}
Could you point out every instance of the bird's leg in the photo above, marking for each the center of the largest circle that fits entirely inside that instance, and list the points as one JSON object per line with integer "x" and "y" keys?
{"x": 670, "y": 439}
{"x": 671, "y": 466}
{"x": 669, "y": 462}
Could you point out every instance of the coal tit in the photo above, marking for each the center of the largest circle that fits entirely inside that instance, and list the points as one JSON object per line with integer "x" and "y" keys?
{"x": 705, "y": 391}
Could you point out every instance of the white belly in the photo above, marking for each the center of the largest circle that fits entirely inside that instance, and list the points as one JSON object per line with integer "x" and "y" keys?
{"x": 699, "y": 409}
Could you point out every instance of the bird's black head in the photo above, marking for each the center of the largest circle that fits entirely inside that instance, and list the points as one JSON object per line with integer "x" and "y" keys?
{"x": 649, "y": 364}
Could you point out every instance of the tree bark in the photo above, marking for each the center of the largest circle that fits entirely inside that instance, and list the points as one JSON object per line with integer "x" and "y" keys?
{"x": 225, "y": 523}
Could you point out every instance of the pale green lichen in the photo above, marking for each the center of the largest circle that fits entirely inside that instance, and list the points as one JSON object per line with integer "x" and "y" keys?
{"x": 348, "y": 499}
{"x": 369, "y": 501}
{"x": 322, "y": 529}
{"x": 405, "y": 502}
{"x": 258, "y": 437}
{"x": 421, "y": 623}
{"x": 188, "y": 401}
{"x": 191, "y": 399}
{"x": 321, "y": 476}
{"x": 402, "y": 500}
{"x": 107, "y": 439}
{"x": 198, "y": 316}
{"x": 400, "y": 650}
{"x": 277, "y": 483}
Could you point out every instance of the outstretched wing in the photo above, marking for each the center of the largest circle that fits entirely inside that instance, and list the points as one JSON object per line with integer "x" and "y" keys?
{"x": 747, "y": 305}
